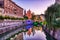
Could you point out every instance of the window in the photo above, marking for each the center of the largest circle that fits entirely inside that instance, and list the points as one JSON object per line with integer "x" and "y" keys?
{"x": 14, "y": 9}
{"x": 11, "y": 6}
{"x": 14, "y": 12}
{"x": 8, "y": 5}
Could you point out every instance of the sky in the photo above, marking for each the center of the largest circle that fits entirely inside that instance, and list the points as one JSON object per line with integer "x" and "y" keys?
{"x": 36, "y": 6}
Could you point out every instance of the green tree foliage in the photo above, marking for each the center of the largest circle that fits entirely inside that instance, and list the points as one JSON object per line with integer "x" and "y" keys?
{"x": 8, "y": 17}
{"x": 25, "y": 17}
{"x": 1, "y": 17}
{"x": 33, "y": 16}
{"x": 51, "y": 14}
{"x": 35, "y": 23}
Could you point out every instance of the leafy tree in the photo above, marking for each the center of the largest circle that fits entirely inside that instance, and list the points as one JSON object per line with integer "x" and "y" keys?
{"x": 1, "y": 17}
{"x": 25, "y": 17}
{"x": 51, "y": 14}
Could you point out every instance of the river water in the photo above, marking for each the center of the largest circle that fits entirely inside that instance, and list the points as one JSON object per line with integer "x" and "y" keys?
{"x": 34, "y": 33}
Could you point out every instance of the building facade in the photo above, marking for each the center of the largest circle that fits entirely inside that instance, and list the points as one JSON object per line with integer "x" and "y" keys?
{"x": 1, "y": 7}
{"x": 1, "y": 3}
{"x": 24, "y": 12}
{"x": 1, "y": 10}
{"x": 29, "y": 14}
{"x": 12, "y": 9}
{"x": 42, "y": 17}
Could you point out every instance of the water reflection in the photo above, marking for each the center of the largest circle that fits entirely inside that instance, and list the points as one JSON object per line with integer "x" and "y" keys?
{"x": 29, "y": 21}
{"x": 34, "y": 33}
{"x": 28, "y": 27}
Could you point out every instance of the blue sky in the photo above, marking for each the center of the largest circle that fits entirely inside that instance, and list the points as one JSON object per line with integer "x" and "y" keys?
{"x": 36, "y": 6}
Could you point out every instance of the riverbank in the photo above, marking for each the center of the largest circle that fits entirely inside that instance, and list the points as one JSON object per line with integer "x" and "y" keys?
{"x": 54, "y": 34}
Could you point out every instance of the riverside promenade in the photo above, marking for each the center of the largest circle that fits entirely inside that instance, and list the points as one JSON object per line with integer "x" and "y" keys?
{"x": 9, "y": 28}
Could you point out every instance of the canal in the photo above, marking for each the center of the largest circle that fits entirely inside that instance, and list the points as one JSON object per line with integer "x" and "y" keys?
{"x": 35, "y": 33}
{"x": 32, "y": 33}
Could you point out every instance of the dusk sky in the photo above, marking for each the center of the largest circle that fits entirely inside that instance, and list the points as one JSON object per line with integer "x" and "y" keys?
{"x": 36, "y": 6}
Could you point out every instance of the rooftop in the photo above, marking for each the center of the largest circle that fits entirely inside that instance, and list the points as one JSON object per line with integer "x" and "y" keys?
{"x": 15, "y": 4}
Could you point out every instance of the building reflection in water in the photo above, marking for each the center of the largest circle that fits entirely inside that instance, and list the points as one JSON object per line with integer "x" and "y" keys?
{"x": 31, "y": 29}
{"x": 28, "y": 27}
{"x": 34, "y": 33}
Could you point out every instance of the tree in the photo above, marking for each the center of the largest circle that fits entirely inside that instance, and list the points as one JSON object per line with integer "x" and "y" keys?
{"x": 25, "y": 17}
{"x": 52, "y": 13}
{"x": 1, "y": 17}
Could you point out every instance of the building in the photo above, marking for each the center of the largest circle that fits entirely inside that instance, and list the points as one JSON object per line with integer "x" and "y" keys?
{"x": 36, "y": 17}
{"x": 24, "y": 12}
{"x": 39, "y": 18}
{"x": 29, "y": 14}
{"x": 1, "y": 7}
{"x": 42, "y": 17}
{"x": 1, "y": 3}
{"x": 57, "y": 1}
{"x": 1, "y": 10}
{"x": 11, "y": 8}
